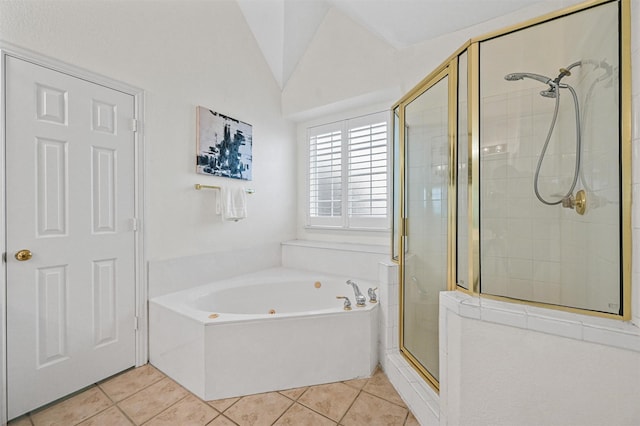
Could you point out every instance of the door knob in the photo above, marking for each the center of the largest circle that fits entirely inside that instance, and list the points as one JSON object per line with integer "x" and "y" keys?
{"x": 23, "y": 255}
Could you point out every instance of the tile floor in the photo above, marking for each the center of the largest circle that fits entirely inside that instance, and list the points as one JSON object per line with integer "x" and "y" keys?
{"x": 145, "y": 396}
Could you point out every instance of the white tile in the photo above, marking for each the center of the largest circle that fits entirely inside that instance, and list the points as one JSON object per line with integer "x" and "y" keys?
{"x": 494, "y": 284}
{"x": 520, "y": 269}
{"x": 607, "y": 337}
{"x": 504, "y": 317}
{"x": 394, "y": 338}
{"x": 170, "y": 275}
{"x": 470, "y": 308}
{"x": 407, "y": 373}
{"x": 448, "y": 301}
{"x": 546, "y": 292}
{"x": 387, "y": 273}
{"x": 635, "y": 132}
{"x": 503, "y": 313}
{"x": 390, "y": 338}
{"x": 426, "y": 414}
{"x": 635, "y": 207}
{"x": 635, "y": 298}
{"x": 571, "y": 329}
{"x": 425, "y": 392}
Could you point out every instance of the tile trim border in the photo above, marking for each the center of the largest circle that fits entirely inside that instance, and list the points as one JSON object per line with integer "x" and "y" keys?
{"x": 604, "y": 331}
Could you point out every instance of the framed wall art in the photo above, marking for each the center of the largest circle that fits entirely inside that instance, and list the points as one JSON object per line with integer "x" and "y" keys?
{"x": 224, "y": 145}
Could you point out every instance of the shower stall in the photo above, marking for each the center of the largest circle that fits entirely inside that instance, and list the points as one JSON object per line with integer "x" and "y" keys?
{"x": 512, "y": 175}
{"x": 550, "y": 158}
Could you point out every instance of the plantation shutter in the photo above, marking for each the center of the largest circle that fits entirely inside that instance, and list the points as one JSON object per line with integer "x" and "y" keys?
{"x": 367, "y": 171}
{"x": 325, "y": 175}
{"x": 349, "y": 173}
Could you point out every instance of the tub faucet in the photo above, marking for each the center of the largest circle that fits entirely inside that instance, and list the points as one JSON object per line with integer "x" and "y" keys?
{"x": 373, "y": 297}
{"x": 347, "y": 302}
{"x": 360, "y": 298}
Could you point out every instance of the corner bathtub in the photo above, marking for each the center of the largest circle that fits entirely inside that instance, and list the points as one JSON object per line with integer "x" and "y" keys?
{"x": 220, "y": 340}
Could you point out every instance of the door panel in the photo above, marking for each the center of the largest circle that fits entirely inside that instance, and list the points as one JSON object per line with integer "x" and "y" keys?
{"x": 70, "y": 201}
{"x": 424, "y": 250}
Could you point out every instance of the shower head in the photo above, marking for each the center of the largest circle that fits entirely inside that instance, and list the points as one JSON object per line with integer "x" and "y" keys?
{"x": 549, "y": 93}
{"x": 522, "y": 75}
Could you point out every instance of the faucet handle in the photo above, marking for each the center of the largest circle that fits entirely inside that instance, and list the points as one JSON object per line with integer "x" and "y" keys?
{"x": 373, "y": 297}
{"x": 347, "y": 302}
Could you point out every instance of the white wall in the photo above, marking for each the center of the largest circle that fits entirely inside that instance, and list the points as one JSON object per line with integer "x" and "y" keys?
{"x": 183, "y": 54}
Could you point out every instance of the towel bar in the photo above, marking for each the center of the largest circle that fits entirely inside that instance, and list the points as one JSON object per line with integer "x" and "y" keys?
{"x": 199, "y": 186}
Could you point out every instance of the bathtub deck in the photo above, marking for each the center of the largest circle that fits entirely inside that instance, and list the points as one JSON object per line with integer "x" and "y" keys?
{"x": 145, "y": 395}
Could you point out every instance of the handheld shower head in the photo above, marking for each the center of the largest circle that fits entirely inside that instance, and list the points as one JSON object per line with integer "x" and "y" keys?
{"x": 522, "y": 75}
{"x": 549, "y": 93}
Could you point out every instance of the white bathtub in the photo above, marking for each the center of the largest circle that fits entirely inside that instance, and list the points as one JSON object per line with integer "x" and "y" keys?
{"x": 220, "y": 340}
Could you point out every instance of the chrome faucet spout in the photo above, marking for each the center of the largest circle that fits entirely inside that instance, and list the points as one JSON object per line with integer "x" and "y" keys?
{"x": 360, "y": 298}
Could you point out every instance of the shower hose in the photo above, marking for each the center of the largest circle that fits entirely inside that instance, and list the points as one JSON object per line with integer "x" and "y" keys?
{"x": 546, "y": 145}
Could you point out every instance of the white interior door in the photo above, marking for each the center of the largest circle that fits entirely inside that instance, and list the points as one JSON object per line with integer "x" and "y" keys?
{"x": 70, "y": 203}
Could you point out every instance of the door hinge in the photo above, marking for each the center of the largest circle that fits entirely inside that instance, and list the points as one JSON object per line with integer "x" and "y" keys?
{"x": 134, "y": 224}
{"x": 135, "y": 323}
{"x": 134, "y": 124}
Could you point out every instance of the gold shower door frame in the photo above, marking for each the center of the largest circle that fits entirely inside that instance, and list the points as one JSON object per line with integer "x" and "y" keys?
{"x": 449, "y": 68}
{"x": 446, "y": 71}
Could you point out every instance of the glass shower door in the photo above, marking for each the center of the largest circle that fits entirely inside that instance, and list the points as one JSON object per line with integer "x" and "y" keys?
{"x": 424, "y": 248}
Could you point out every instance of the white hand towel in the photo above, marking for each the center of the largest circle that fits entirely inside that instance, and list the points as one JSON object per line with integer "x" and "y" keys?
{"x": 234, "y": 204}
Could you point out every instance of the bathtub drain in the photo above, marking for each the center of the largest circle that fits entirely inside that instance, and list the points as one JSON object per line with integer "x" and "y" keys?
{"x": 272, "y": 311}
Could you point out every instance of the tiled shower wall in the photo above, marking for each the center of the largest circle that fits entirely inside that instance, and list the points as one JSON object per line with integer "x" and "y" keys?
{"x": 547, "y": 253}
{"x": 539, "y": 252}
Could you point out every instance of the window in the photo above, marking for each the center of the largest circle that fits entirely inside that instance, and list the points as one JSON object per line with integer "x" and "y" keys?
{"x": 349, "y": 173}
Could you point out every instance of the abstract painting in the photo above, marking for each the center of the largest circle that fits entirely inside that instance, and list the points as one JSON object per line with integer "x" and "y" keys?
{"x": 223, "y": 145}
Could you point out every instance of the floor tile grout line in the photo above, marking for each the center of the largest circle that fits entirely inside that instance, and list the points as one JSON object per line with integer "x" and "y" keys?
{"x": 67, "y": 398}
{"x": 404, "y": 423}
{"x": 296, "y": 399}
{"x": 57, "y": 402}
{"x": 227, "y": 418}
{"x": 316, "y": 411}
{"x": 282, "y": 414}
{"x": 311, "y": 409}
{"x": 350, "y": 405}
{"x": 93, "y": 415}
{"x": 232, "y": 404}
{"x": 385, "y": 399}
{"x": 163, "y": 376}
{"x": 170, "y": 406}
{"x": 126, "y": 416}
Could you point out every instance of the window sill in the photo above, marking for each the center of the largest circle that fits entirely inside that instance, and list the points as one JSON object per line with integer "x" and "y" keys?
{"x": 604, "y": 331}
{"x": 362, "y": 248}
{"x": 343, "y": 229}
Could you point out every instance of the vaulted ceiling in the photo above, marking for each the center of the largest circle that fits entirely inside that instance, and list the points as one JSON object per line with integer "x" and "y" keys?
{"x": 284, "y": 28}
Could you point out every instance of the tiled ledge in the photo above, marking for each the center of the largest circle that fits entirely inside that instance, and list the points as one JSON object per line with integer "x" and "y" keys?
{"x": 604, "y": 331}
{"x": 364, "y": 248}
{"x": 423, "y": 401}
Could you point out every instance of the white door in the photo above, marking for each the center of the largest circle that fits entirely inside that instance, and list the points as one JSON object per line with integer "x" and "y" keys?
{"x": 70, "y": 203}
